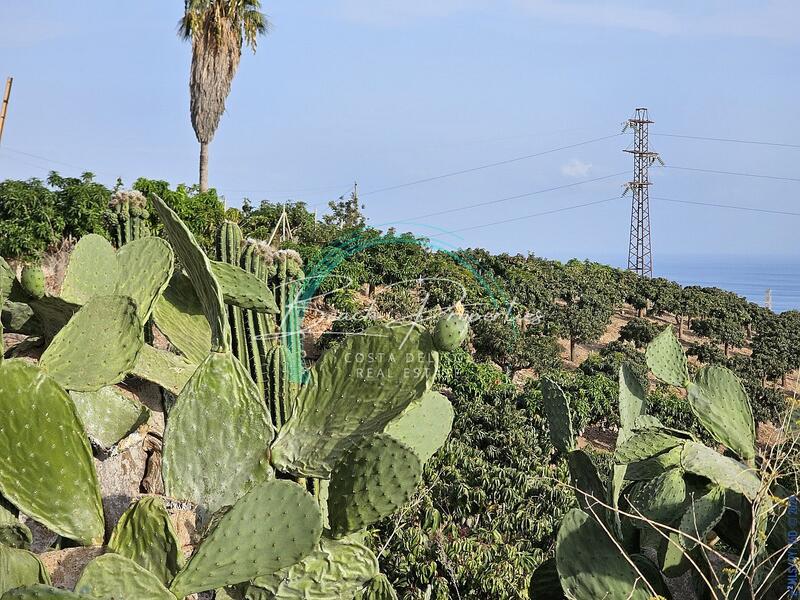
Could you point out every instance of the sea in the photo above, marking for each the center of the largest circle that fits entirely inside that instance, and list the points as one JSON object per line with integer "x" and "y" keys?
{"x": 760, "y": 279}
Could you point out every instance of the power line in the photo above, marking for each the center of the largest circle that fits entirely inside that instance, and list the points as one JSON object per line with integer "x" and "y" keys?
{"x": 730, "y": 206}
{"x": 487, "y": 166}
{"x": 730, "y": 140}
{"x": 517, "y": 197}
{"x": 539, "y": 214}
{"x": 737, "y": 173}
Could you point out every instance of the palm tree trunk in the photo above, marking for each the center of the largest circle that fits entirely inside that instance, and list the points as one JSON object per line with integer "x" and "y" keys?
{"x": 203, "y": 166}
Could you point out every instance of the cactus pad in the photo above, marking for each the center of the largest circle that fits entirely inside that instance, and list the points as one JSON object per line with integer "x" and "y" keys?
{"x": 49, "y": 474}
{"x": 6, "y": 278}
{"x": 42, "y": 592}
{"x": 631, "y": 399}
{"x": 424, "y": 427}
{"x": 545, "y": 583}
{"x": 13, "y": 533}
{"x": 275, "y": 525}
{"x": 591, "y": 565}
{"x": 180, "y": 317}
{"x": 20, "y": 567}
{"x": 32, "y": 281}
{"x": 114, "y": 577}
{"x": 450, "y": 332}
{"x": 97, "y": 347}
{"x": 354, "y": 390}
{"x": 589, "y": 489}
{"x": 166, "y": 369}
{"x": 243, "y": 289}
{"x": 198, "y": 267}
{"x": 702, "y": 515}
{"x": 217, "y": 436}
{"x": 18, "y": 317}
{"x": 721, "y": 405}
{"x": 335, "y": 569}
{"x": 145, "y": 535}
{"x": 725, "y": 472}
{"x": 92, "y": 270}
{"x": 108, "y": 415}
{"x": 145, "y": 266}
{"x": 655, "y": 466}
{"x": 643, "y": 444}
{"x": 373, "y": 479}
{"x": 666, "y": 360}
{"x": 52, "y": 313}
{"x": 661, "y": 499}
{"x": 559, "y": 416}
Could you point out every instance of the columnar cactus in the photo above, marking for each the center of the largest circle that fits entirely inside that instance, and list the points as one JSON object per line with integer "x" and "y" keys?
{"x": 130, "y": 216}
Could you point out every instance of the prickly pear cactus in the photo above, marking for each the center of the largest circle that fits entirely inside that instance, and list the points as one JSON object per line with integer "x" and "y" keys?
{"x": 424, "y": 427}
{"x": 243, "y": 289}
{"x": 721, "y": 405}
{"x": 42, "y": 592}
{"x": 209, "y": 460}
{"x": 32, "y": 281}
{"x": 145, "y": 267}
{"x": 92, "y": 270}
{"x": 701, "y": 516}
{"x": 666, "y": 360}
{"x": 559, "y": 416}
{"x": 13, "y": 533}
{"x": 198, "y": 268}
{"x": 97, "y": 347}
{"x": 591, "y": 565}
{"x": 6, "y": 278}
{"x": 19, "y": 568}
{"x": 353, "y": 391}
{"x": 335, "y": 569}
{"x": 645, "y": 444}
{"x": 275, "y": 525}
{"x": 371, "y": 481}
{"x": 118, "y": 578}
{"x": 180, "y": 317}
{"x": 108, "y": 415}
{"x": 145, "y": 535}
{"x": 50, "y": 475}
{"x": 450, "y": 332}
{"x": 166, "y": 369}
{"x": 661, "y": 499}
{"x": 722, "y": 470}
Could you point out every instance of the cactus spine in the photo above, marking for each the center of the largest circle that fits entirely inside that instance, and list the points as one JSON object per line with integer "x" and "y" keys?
{"x": 129, "y": 216}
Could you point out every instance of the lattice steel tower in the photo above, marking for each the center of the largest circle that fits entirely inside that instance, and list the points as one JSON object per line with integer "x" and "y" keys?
{"x": 640, "y": 255}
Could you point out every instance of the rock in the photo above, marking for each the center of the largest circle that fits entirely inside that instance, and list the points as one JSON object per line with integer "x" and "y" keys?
{"x": 65, "y": 566}
{"x": 120, "y": 479}
{"x": 185, "y": 521}
{"x": 153, "y": 483}
{"x": 43, "y": 538}
{"x": 148, "y": 394}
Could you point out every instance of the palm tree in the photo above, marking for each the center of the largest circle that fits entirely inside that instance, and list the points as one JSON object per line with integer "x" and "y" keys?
{"x": 218, "y": 29}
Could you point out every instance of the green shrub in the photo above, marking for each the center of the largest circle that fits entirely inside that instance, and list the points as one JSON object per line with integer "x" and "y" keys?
{"x": 640, "y": 331}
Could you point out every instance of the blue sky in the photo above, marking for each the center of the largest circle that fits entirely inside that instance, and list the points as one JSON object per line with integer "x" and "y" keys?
{"x": 389, "y": 92}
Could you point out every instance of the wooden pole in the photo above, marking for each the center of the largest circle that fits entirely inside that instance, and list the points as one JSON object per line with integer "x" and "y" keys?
{"x": 4, "y": 110}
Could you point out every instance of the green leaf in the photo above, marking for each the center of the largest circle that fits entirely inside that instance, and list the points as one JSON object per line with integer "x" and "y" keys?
{"x": 559, "y": 416}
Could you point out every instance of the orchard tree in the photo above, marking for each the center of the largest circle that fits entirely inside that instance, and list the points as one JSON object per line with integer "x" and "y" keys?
{"x": 588, "y": 297}
{"x": 639, "y": 331}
